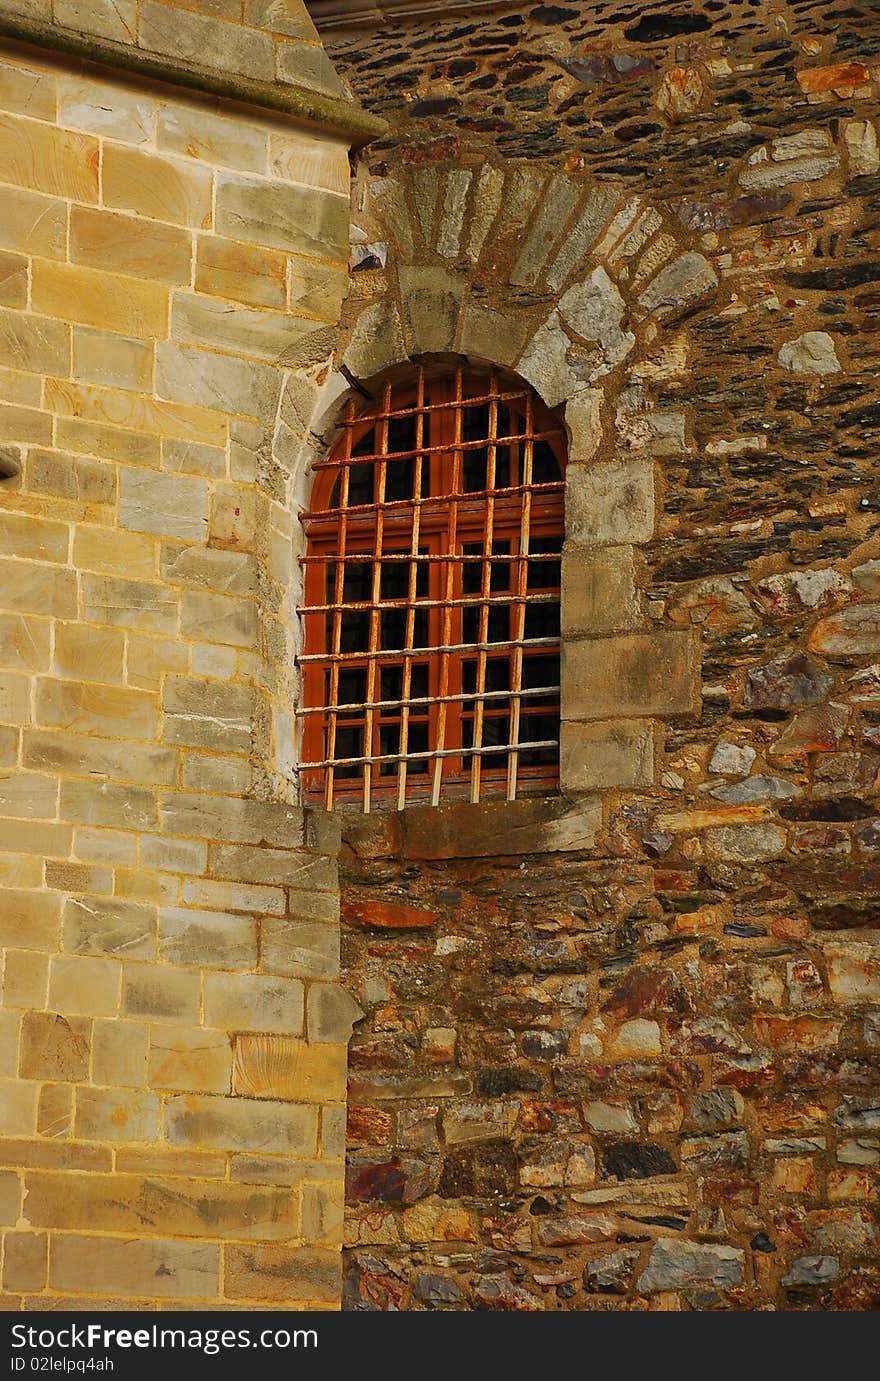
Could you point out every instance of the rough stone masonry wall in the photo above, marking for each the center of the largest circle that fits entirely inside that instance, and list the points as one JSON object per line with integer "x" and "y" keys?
{"x": 637, "y": 1065}
{"x": 172, "y": 1035}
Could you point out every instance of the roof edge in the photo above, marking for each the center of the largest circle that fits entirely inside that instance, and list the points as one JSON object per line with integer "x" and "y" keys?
{"x": 328, "y": 113}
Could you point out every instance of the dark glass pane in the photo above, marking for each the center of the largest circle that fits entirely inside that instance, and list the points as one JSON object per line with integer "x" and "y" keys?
{"x": 399, "y": 474}
{"x": 418, "y": 743}
{"x": 545, "y": 466}
{"x": 542, "y": 620}
{"x": 352, "y": 689}
{"x": 392, "y": 629}
{"x": 389, "y": 742}
{"x": 349, "y": 744}
{"x": 419, "y": 681}
{"x": 391, "y": 683}
{"x": 536, "y": 728}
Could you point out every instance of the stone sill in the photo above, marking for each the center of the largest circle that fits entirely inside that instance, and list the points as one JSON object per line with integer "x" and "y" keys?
{"x": 327, "y": 113}
{"x": 461, "y": 829}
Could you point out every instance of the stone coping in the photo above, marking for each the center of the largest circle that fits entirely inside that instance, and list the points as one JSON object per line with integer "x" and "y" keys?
{"x": 327, "y": 113}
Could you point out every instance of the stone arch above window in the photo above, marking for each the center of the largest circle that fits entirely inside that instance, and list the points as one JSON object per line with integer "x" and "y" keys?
{"x": 587, "y": 294}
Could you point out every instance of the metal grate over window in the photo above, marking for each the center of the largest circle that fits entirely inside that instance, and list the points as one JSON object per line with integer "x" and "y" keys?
{"x": 431, "y": 615}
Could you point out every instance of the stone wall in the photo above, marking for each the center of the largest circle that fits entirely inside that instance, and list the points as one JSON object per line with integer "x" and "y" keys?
{"x": 173, "y": 1034}
{"x": 629, "y": 1058}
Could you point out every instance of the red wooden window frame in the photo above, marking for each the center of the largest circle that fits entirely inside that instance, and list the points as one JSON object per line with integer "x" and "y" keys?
{"x": 444, "y": 549}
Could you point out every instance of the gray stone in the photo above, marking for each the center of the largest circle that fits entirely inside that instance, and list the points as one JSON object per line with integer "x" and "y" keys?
{"x": 852, "y": 632}
{"x": 599, "y": 205}
{"x": 796, "y": 590}
{"x": 558, "y": 204}
{"x": 811, "y": 353}
{"x": 812, "y": 1270}
{"x": 731, "y": 759}
{"x": 867, "y": 577}
{"x": 685, "y": 280}
{"x": 595, "y": 311}
{"x": 860, "y": 138}
{"x": 610, "y": 503}
{"x": 785, "y": 682}
{"x": 377, "y": 341}
{"x": 714, "y": 1109}
{"x": 746, "y": 843}
{"x": 452, "y": 212}
{"x": 611, "y": 1274}
{"x": 705, "y": 1154}
{"x": 673, "y": 1265}
{"x": 546, "y": 365}
{"x": 756, "y": 789}
{"x": 761, "y": 177}
{"x": 490, "y": 335}
{"x": 432, "y": 301}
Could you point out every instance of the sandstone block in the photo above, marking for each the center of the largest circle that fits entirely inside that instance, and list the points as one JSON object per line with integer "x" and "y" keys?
{"x": 89, "y": 654}
{"x": 254, "y": 1002}
{"x": 119, "y": 1053}
{"x": 32, "y": 915}
{"x": 103, "y": 803}
{"x": 94, "y": 298}
{"x": 304, "y": 949}
{"x": 219, "y": 618}
{"x": 616, "y": 753}
{"x": 206, "y": 40}
{"x": 24, "y": 643}
{"x": 282, "y": 1274}
{"x": 161, "y": 189}
{"x": 104, "y": 108}
{"x": 36, "y": 539}
{"x": 282, "y": 1067}
{"x": 190, "y": 1059}
{"x": 207, "y": 938}
{"x": 332, "y": 1013}
{"x": 18, "y": 1108}
{"x": 171, "y": 505}
{"x": 115, "y": 408}
{"x": 109, "y": 926}
{"x": 123, "y": 244}
{"x": 188, "y": 375}
{"x": 259, "y": 334}
{"x": 34, "y": 589}
{"x": 242, "y": 272}
{"x": 61, "y": 162}
{"x": 131, "y": 604}
{"x": 66, "y": 752}
{"x": 25, "y": 983}
{"x": 636, "y": 674}
{"x": 143, "y": 1206}
{"x": 54, "y": 1047}
{"x": 106, "y": 1114}
{"x": 84, "y": 986}
{"x": 34, "y": 224}
{"x": 232, "y": 141}
{"x": 610, "y": 503}
{"x": 279, "y": 216}
{"x": 160, "y": 993}
{"x": 135, "y": 1266}
{"x": 25, "y": 1260}
{"x": 241, "y": 1124}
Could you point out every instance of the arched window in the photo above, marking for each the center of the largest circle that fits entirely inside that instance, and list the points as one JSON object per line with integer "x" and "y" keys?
{"x": 431, "y": 612}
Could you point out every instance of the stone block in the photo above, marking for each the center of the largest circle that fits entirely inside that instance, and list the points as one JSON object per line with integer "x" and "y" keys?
{"x": 219, "y": 618}
{"x": 332, "y": 1012}
{"x": 161, "y": 189}
{"x": 94, "y": 298}
{"x": 65, "y": 752}
{"x": 104, "y": 803}
{"x": 134, "y": 1266}
{"x": 242, "y": 1124}
{"x": 279, "y": 216}
{"x": 188, "y": 375}
{"x": 32, "y": 915}
{"x": 302, "y": 949}
{"x": 25, "y": 1261}
{"x": 285, "y": 1068}
{"x": 104, "y": 109}
{"x": 24, "y": 643}
{"x": 254, "y": 1002}
{"x": 207, "y": 938}
{"x": 60, "y": 162}
{"x": 675, "y": 1265}
{"x": 490, "y": 335}
{"x": 25, "y": 983}
{"x": 123, "y": 244}
{"x": 282, "y": 1274}
{"x": 107, "y": 1114}
{"x": 54, "y": 1047}
{"x": 632, "y": 675}
{"x": 119, "y": 1053}
{"x": 432, "y": 301}
{"x": 599, "y": 592}
{"x": 84, "y": 986}
{"x": 242, "y": 272}
{"x": 206, "y": 40}
{"x": 18, "y": 1108}
{"x": 33, "y": 589}
{"x": 190, "y": 1059}
{"x": 34, "y": 224}
{"x": 233, "y": 141}
{"x": 89, "y": 654}
{"x": 55, "y": 1110}
{"x": 133, "y": 604}
{"x": 109, "y": 409}
{"x": 33, "y": 538}
{"x": 170, "y": 505}
{"x": 259, "y": 334}
{"x": 109, "y": 926}
{"x": 610, "y": 503}
{"x": 376, "y": 342}
{"x": 202, "y": 714}
{"x": 614, "y": 754}
{"x": 159, "y": 993}
{"x": 302, "y": 872}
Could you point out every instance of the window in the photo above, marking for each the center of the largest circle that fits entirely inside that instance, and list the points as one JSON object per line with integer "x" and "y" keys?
{"x": 431, "y": 614}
